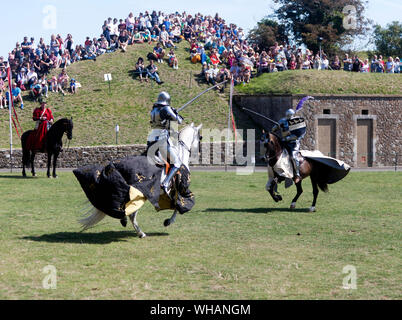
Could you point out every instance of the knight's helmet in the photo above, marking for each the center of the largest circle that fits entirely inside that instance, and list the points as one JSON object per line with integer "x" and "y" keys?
{"x": 290, "y": 113}
{"x": 163, "y": 99}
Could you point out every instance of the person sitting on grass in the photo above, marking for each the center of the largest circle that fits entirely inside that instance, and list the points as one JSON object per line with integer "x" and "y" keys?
{"x": 154, "y": 37}
{"x": 36, "y": 90}
{"x": 211, "y": 73}
{"x": 73, "y": 86}
{"x": 173, "y": 62}
{"x": 137, "y": 37}
{"x": 159, "y": 53}
{"x": 62, "y": 81}
{"x": 123, "y": 41}
{"x": 16, "y": 95}
{"x": 140, "y": 69}
{"x": 146, "y": 35}
{"x": 222, "y": 75}
{"x": 152, "y": 72}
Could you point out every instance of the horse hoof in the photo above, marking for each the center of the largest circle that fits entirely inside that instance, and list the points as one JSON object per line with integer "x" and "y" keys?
{"x": 55, "y": 176}
{"x": 279, "y": 198}
{"x": 312, "y": 209}
{"x": 50, "y": 177}
{"x": 142, "y": 235}
{"x": 293, "y": 205}
{"x": 166, "y": 223}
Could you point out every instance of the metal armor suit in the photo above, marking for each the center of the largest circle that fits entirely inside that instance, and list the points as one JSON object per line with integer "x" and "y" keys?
{"x": 161, "y": 115}
{"x": 291, "y": 140}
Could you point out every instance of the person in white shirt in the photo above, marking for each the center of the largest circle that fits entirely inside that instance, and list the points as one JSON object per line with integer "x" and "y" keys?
{"x": 390, "y": 65}
{"x": 130, "y": 23}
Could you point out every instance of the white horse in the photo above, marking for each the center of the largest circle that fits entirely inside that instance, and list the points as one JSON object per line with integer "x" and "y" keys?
{"x": 189, "y": 139}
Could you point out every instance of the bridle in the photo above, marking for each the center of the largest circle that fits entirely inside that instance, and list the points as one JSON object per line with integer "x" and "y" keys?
{"x": 277, "y": 153}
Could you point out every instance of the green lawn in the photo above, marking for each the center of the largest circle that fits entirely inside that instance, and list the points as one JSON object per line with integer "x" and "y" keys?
{"x": 235, "y": 244}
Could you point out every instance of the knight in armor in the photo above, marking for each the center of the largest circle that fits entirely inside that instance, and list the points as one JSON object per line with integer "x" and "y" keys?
{"x": 161, "y": 116}
{"x": 291, "y": 140}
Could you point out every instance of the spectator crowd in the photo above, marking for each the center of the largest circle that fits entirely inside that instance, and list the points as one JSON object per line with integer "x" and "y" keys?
{"x": 222, "y": 50}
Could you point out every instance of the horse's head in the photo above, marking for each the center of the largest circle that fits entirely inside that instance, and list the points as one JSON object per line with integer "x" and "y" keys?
{"x": 190, "y": 138}
{"x": 272, "y": 146}
{"x": 69, "y": 128}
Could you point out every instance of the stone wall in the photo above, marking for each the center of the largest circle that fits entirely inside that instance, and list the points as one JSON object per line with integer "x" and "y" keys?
{"x": 212, "y": 153}
{"x": 385, "y": 112}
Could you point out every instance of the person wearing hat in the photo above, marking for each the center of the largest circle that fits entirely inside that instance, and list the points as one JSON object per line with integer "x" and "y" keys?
{"x": 44, "y": 119}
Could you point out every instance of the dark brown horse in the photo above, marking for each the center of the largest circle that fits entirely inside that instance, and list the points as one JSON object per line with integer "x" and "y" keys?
{"x": 317, "y": 172}
{"x": 53, "y": 146}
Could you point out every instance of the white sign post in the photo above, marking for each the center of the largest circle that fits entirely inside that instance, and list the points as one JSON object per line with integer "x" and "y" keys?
{"x": 117, "y": 129}
{"x": 108, "y": 78}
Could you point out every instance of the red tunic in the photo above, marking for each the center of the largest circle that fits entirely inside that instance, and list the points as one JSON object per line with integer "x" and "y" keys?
{"x": 36, "y": 140}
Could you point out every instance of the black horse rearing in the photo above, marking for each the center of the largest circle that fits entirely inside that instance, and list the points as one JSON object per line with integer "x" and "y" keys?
{"x": 53, "y": 146}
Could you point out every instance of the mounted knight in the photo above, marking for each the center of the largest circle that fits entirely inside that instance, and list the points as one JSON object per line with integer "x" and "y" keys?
{"x": 159, "y": 140}
{"x": 292, "y": 129}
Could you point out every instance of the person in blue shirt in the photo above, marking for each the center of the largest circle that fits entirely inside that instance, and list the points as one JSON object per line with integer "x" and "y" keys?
{"x": 16, "y": 93}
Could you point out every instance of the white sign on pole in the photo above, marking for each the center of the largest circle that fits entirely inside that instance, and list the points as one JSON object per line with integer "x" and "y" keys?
{"x": 108, "y": 76}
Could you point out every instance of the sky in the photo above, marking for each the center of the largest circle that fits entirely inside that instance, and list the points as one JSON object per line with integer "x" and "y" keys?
{"x": 81, "y": 18}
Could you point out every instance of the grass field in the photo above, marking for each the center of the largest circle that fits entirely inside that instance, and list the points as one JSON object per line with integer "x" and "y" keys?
{"x": 236, "y": 243}
{"x": 324, "y": 82}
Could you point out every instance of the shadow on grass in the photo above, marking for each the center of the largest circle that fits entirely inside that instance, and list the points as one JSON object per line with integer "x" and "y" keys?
{"x": 86, "y": 237}
{"x": 256, "y": 210}
{"x": 16, "y": 177}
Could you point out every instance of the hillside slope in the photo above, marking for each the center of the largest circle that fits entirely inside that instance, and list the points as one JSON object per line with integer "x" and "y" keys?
{"x": 95, "y": 112}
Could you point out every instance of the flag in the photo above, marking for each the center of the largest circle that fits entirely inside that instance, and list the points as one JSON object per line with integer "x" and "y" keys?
{"x": 302, "y": 101}
{"x": 11, "y": 103}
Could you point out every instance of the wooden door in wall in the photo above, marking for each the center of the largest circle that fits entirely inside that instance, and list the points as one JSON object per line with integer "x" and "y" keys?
{"x": 326, "y": 139}
{"x": 364, "y": 140}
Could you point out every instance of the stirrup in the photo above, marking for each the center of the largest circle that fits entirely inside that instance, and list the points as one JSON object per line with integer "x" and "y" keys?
{"x": 166, "y": 183}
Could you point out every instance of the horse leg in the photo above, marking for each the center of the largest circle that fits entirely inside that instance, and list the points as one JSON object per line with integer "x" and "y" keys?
{"x": 133, "y": 219}
{"x": 272, "y": 187}
{"x": 49, "y": 161}
{"x": 55, "y": 156}
{"x": 315, "y": 194}
{"x": 23, "y": 163}
{"x": 32, "y": 164}
{"x": 299, "y": 192}
{"x": 170, "y": 221}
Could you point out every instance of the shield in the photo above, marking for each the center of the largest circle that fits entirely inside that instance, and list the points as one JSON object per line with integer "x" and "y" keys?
{"x": 297, "y": 126}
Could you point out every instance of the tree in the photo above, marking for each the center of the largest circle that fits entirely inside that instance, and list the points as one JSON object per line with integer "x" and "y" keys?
{"x": 336, "y": 22}
{"x": 388, "y": 41}
{"x": 267, "y": 33}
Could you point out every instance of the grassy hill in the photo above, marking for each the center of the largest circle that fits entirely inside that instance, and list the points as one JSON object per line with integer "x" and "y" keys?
{"x": 95, "y": 112}
{"x": 324, "y": 82}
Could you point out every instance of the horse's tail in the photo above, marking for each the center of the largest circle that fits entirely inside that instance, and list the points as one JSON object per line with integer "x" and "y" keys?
{"x": 94, "y": 216}
{"x": 323, "y": 186}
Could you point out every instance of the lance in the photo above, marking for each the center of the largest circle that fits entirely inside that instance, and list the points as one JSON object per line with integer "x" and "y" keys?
{"x": 260, "y": 115}
{"x": 195, "y": 98}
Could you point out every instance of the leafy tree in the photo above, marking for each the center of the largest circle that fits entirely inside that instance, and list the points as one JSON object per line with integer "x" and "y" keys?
{"x": 336, "y": 22}
{"x": 267, "y": 33}
{"x": 388, "y": 41}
